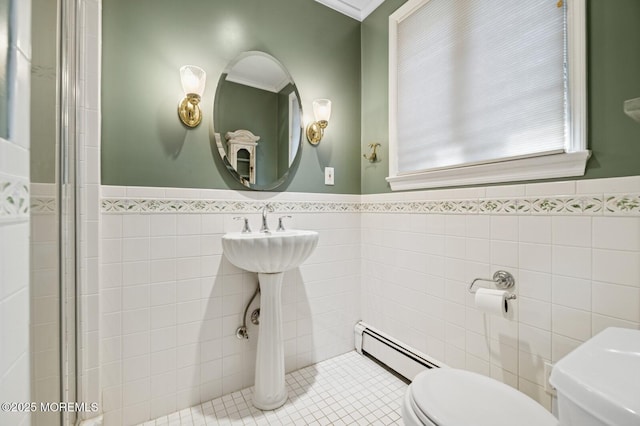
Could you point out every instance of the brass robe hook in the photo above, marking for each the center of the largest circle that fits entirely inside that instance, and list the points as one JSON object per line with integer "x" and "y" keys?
{"x": 373, "y": 155}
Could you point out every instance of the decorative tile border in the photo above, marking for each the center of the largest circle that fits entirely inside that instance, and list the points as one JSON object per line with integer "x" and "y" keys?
{"x": 43, "y": 205}
{"x": 592, "y": 205}
{"x": 628, "y": 204}
{"x": 136, "y": 205}
{"x": 14, "y": 199}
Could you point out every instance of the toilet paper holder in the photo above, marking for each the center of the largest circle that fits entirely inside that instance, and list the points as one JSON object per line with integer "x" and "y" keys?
{"x": 502, "y": 279}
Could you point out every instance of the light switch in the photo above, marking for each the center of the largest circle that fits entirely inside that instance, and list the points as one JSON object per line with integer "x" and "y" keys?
{"x": 328, "y": 176}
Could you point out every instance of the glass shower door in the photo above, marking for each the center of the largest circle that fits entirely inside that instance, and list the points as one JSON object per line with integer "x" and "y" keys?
{"x": 53, "y": 212}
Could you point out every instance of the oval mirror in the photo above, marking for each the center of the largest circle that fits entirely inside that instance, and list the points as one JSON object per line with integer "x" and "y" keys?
{"x": 257, "y": 120}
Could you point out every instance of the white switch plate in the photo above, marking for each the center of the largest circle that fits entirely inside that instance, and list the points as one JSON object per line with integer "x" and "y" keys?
{"x": 328, "y": 176}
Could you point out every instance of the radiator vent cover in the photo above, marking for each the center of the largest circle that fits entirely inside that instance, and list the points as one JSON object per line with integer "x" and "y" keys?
{"x": 403, "y": 359}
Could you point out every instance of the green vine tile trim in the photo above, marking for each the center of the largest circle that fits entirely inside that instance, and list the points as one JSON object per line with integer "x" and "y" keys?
{"x": 14, "y": 199}
{"x": 592, "y": 205}
{"x": 43, "y": 205}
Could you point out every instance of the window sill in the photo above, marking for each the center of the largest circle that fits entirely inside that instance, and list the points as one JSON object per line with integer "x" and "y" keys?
{"x": 543, "y": 167}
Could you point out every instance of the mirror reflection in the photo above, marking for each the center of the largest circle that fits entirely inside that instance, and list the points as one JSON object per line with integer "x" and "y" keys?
{"x": 257, "y": 120}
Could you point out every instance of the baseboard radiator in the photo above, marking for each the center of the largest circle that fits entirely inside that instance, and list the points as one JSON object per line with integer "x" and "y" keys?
{"x": 402, "y": 359}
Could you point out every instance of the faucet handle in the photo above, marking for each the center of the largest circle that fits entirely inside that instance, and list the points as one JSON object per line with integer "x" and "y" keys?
{"x": 280, "y": 225}
{"x": 245, "y": 226}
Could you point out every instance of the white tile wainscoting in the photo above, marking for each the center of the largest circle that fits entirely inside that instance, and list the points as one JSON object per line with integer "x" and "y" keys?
{"x": 45, "y": 301}
{"x": 89, "y": 39}
{"x": 170, "y": 303}
{"x": 15, "y": 356}
{"x": 573, "y": 247}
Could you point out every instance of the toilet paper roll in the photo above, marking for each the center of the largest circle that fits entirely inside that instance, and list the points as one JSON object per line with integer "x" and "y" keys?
{"x": 492, "y": 301}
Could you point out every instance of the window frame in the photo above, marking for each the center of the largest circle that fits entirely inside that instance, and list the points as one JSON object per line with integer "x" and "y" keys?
{"x": 572, "y": 162}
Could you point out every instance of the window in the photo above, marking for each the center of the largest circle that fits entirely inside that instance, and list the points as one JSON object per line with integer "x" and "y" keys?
{"x": 486, "y": 91}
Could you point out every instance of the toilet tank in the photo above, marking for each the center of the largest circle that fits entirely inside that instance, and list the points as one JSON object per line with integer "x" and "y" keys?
{"x": 599, "y": 382}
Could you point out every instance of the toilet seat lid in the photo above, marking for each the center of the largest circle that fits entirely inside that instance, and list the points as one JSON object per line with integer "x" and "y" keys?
{"x": 452, "y": 397}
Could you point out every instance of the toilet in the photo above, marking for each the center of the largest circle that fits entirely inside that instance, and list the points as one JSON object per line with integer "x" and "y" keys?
{"x": 597, "y": 384}
{"x": 452, "y": 397}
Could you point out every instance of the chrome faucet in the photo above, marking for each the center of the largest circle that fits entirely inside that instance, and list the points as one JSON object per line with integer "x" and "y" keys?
{"x": 280, "y": 224}
{"x": 245, "y": 227}
{"x": 266, "y": 209}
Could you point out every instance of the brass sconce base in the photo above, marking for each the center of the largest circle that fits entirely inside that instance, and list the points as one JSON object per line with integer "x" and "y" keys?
{"x": 315, "y": 131}
{"x": 189, "y": 111}
{"x": 373, "y": 155}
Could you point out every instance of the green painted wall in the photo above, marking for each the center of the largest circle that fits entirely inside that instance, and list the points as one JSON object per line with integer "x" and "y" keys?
{"x": 614, "y": 76}
{"x": 375, "y": 95}
{"x": 146, "y": 41}
{"x": 328, "y": 55}
{"x": 44, "y": 47}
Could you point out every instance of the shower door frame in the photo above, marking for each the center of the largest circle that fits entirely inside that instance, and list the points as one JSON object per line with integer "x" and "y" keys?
{"x": 68, "y": 211}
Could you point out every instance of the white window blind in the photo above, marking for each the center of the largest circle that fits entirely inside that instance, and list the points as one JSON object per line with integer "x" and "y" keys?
{"x": 480, "y": 81}
{"x": 483, "y": 81}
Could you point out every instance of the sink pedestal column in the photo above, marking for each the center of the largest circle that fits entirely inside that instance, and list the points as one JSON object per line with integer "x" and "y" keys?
{"x": 270, "y": 392}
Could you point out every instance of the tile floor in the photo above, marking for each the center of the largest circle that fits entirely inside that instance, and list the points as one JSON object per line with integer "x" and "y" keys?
{"x": 346, "y": 390}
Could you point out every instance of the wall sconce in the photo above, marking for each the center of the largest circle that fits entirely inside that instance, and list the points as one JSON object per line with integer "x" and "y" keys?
{"x": 322, "y": 113}
{"x": 193, "y": 79}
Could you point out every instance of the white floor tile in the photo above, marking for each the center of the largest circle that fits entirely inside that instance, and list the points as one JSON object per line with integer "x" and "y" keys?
{"x": 347, "y": 390}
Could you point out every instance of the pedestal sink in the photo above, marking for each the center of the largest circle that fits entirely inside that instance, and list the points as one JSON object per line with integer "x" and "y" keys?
{"x": 269, "y": 254}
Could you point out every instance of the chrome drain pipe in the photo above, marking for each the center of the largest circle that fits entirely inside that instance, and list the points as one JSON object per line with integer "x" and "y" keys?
{"x": 242, "y": 332}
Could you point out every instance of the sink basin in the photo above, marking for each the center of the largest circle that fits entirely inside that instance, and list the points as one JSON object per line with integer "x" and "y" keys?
{"x": 269, "y": 253}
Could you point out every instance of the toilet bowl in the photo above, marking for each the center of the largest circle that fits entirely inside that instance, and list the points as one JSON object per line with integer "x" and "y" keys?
{"x": 597, "y": 384}
{"x": 452, "y": 397}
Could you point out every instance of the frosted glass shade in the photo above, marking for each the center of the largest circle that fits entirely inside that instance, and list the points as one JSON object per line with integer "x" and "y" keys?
{"x": 193, "y": 79}
{"x": 322, "y": 109}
